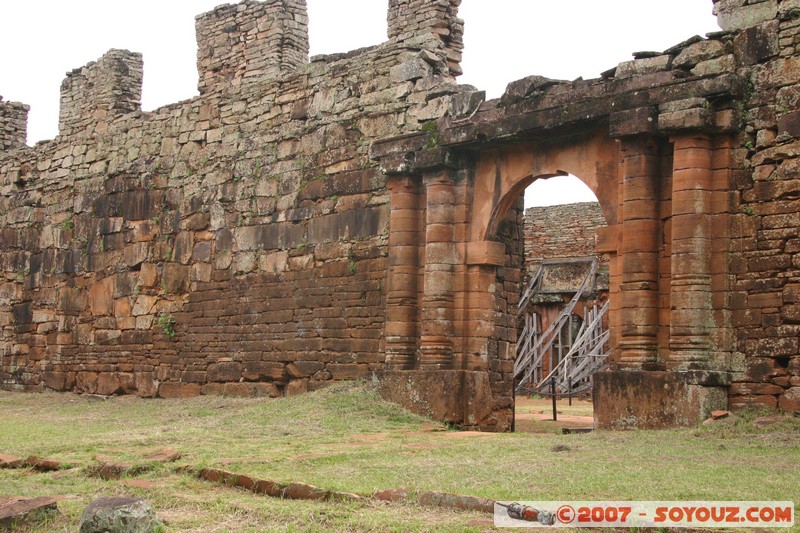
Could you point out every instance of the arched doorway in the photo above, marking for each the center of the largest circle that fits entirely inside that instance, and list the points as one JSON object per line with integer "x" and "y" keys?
{"x": 562, "y": 314}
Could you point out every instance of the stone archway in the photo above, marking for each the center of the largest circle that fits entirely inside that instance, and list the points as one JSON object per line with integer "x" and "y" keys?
{"x": 452, "y": 282}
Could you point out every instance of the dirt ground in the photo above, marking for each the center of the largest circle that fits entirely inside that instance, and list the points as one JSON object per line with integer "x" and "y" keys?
{"x": 535, "y": 415}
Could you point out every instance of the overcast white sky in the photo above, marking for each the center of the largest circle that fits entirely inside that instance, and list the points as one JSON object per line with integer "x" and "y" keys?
{"x": 504, "y": 40}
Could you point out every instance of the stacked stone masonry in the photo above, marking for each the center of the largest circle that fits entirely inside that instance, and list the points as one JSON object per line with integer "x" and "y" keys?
{"x": 561, "y": 232}
{"x": 302, "y": 222}
{"x": 234, "y": 243}
{"x": 13, "y": 125}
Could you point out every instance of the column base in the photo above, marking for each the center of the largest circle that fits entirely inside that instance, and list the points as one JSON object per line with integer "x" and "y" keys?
{"x": 631, "y": 399}
{"x": 460, "y": 397}
{"x": 435, "y": 355}
{"x": 400, "y": 355}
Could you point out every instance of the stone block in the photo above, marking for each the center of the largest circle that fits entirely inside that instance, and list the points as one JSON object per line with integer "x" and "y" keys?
{"x": 641, "y": 67}
{"x": 15, "y": 511}
{"x": 225, "y": 371}
{"x": 296, "y": 386}
{"x": 391, "y": 495}
{"x": 661, "y": 399}
{"x": 734, "y": 15}
{"x": 410, "y": 70}
{"x": 178, "y": 390}
{"x": 455, "y": 501}
{"x": 757, "y": 44}
{"x": 251, "y": 390}
{"x": 697, "y": 52}
{"x": 789, "y": 401}
{"x": 175, "y": 278}
{"x": 304, "y": 369}
{"x": 790, "y": 124}
{"x": 463, "y": 398}
{"x": 55, "y": 380}
{"x": 131, "y": 515}
{"x": 263, "y": 370}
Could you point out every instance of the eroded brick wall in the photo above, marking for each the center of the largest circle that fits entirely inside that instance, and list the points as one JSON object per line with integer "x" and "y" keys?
{"x": 765, "y": 289}
{"x": 561, "y": 231}
{"x": 235, "y": 242}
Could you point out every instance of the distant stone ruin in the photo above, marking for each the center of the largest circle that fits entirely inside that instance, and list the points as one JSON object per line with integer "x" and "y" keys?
{"x": 355, "y": 215}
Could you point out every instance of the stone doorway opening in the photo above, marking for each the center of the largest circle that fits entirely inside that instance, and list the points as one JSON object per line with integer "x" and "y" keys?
{"x": 562, "y": 315}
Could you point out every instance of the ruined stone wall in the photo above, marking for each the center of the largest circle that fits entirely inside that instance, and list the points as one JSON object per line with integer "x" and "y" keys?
{"x": 561, "y": 231}
{"x": 13, "y": 125}
{"x": 765, "y": 285}
{"x": 235, "y": 242}
{"x": 95, "y": 95}
{"x": 251, "y": 40}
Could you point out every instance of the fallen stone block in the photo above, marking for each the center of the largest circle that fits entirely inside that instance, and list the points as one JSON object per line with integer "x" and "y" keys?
{"x": 109, "y": 470}
{"x": 391, "y": 495}
{"x": 334, "y": 496}
{"x": 302, "y": 491}
{"x": 122, "y": 515}
{"x": 16, "y": 510}
{"x": 10, "y": 461}
{"x": 167, "y": 455}
{"x": 215, "y": 475}
{"x": 43, "y": 465}
{"x": 454, "y": 501}
{"x": 269, "y": 488}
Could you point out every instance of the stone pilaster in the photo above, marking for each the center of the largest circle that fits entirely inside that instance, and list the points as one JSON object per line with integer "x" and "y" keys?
{"x": 691, "y": 317}
{"x": 640, "y": 225}
{"x": 402, "y": 327}
{"x": 441, "y": 257}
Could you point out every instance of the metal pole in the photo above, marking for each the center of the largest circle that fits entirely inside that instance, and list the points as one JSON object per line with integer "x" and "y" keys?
{"x": 553, "y": 394}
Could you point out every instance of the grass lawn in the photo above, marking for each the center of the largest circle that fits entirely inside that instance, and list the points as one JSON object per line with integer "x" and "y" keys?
{"x": 346, "y": 438}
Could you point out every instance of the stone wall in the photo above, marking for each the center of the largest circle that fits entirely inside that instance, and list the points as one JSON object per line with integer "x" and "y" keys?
{"x": 561, "y": 231}
{"x": 235, "y": 242}
{"x": 250, "y": 41}
{"x": 95, "y": 95}
{"x": 302, "y": 222}
{"x": 13, "y": 125}
{"x": 765, "y": 297}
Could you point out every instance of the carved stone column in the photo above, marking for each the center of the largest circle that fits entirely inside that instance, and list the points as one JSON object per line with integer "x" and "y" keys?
{"x": 639, "y": 252}
{"x": 441, "y": 257}
{"x": 402, "y": 292}
{"x": 691, "y": 317}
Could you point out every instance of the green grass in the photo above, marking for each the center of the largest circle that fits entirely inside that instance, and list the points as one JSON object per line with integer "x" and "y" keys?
{"x": 348, "y": 439}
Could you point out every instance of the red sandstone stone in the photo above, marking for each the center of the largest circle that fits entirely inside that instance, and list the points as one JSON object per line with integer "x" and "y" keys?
{"x": 391, "y": 495}
{"x": 789, "y": 401}
{"x": 44, "y": 465}
{"x": 296, "y": 386}
{"x": 178, "y": 390}
{"x": 717, "y": 415}
{"x": 245, "y": 482}
{"x": 303, "y": 491}
{"x": 111, "y": 470}
{"x": 270, "y": 488}
{"x": 166, "y": 455}
{"x": 17, "y": 509}
{"x": 10, "y": 461}
{"x": 455, "y": 501}
{"x": 225, "y": 371}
